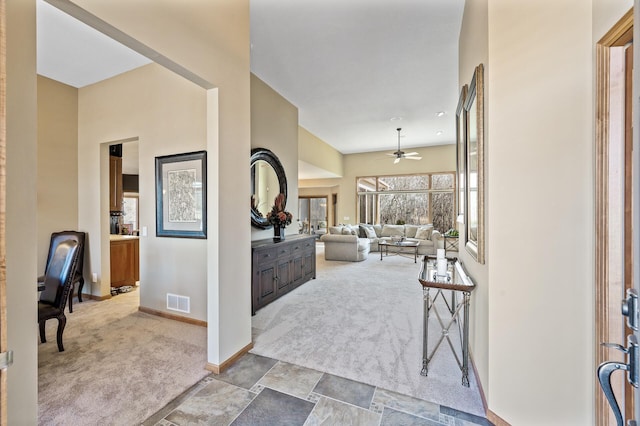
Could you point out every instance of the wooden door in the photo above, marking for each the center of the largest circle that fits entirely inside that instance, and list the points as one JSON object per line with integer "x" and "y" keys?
{"x": 613, "y": 248}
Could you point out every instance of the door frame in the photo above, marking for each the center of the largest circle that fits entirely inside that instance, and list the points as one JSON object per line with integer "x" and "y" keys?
{"x": 3, "y": 208}
{"x": 619, "y": 35}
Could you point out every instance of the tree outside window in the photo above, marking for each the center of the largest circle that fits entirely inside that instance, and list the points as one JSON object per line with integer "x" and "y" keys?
{"x": 414, "y": 199}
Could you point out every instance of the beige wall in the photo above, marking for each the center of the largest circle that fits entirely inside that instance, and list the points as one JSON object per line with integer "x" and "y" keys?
{"x": 57, "y": 163}
{"x": 274, "y": 126}
{"x": 210, "y": 42}
{"x": 21, "y": 219}
{"x": 440, "y": 158}
{"x": 473, "y": 50}
{"x": 317, "y": 153}
{"x": 534, "y": 304}
{"x": 136, "y": 105}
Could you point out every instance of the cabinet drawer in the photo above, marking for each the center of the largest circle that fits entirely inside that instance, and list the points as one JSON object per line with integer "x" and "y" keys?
{"x": 282, "y": 250}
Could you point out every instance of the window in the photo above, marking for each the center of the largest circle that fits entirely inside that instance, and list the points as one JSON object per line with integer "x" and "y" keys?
{"x": 130, "y": 211}
{"x": 412, "y": 199}
{"x": 313, "y": 214}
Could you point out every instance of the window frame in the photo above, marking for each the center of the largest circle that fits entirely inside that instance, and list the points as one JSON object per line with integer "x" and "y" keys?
{"x": 429, "y": 191}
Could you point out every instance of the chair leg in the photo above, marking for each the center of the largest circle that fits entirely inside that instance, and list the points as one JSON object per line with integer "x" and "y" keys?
{"x": 43, "y": 339}
{"x": 62, "y": 321}
{"x": 80, "y": 286}
{"x": 71, "y": 299}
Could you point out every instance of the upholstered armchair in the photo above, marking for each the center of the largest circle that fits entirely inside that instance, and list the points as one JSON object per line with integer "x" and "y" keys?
{"x": 58, "y": 282}
{"x": 345, "y": 247}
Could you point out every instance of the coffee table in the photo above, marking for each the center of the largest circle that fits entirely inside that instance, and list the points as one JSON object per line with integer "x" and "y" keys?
{"x": 400, "y": 248}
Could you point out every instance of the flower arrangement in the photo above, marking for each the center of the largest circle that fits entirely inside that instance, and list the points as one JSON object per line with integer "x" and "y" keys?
{"x": 278, "y": 216}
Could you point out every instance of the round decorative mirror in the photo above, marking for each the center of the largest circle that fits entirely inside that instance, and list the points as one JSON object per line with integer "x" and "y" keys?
{"x": 267, "y": 181}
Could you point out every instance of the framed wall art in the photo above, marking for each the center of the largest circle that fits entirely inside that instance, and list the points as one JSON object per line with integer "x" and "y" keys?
{"x": 181, "y": 195}
{"x": 474, "y": 211}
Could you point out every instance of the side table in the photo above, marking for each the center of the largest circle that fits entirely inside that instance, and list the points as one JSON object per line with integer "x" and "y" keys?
{"x": 450, "y": 243}
{"x": 457, "y": 281}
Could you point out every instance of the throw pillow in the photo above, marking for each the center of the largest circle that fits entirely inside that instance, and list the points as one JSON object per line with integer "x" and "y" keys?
{"x": 393, "y": 230}
{"x": 370, "y": 233}
{"x": 424, "y": 233}
{"x": 363, "y": 227}
{"x": 335, "y": 230}
{"x": 346, "y": 230}
{"x": 354, "y": 229}
{"x": 410, "y": 231}
{"x": 378, "y": 229}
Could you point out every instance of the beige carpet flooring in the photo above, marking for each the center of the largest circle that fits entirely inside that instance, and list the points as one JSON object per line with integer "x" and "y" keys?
{"x": 119, "y": 365}
{"x": 363, "y": 321}
{"x": 359, "y": 320}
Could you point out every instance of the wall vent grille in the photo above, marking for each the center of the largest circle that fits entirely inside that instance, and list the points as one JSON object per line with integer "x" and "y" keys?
{"x": 178, "y": 303}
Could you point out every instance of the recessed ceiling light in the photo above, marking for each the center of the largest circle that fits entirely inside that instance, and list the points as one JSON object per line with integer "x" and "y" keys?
{"x": 439, "y": 132}
{"x": 395, "y": 118}
{"x": 440, "y": 113}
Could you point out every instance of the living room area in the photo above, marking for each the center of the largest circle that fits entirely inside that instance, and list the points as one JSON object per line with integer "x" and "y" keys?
{"x": 539, "y": 126}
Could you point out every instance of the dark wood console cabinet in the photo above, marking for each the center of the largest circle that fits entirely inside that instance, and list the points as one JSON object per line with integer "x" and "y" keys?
{"x": 278, "y": 268}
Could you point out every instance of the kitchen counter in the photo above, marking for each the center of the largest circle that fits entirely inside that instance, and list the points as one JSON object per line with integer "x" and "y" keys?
{"x": 115, "y": 237}
{"x": 125, "y": 266}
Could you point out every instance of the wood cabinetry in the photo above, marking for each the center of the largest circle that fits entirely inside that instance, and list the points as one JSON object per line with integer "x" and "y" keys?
{"x": 115, "y": 184}
{"x": 278, "y": 268}
{"x": 125, "y": 266}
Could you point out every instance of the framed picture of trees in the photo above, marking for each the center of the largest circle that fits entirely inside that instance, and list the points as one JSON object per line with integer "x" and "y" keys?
{"x": 474, "y": 185}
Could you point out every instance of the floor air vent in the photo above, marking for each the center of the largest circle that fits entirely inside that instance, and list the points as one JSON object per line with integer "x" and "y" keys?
{"x": 178, "y": 303}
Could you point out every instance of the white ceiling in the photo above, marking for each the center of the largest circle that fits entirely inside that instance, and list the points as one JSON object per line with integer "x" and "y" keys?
{"x": 349, "y": 66}
{"x": 74, "y": 53}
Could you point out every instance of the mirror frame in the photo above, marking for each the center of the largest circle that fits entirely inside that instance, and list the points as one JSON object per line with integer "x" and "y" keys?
{"x": 257, "y": 154}
{"x": 474, "y": 106}
{"x": 461, "y": 153}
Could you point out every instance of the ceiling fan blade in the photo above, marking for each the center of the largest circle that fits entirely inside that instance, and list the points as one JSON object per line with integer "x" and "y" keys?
{"x": 396, "y": 161}
{"x": 392, "y": 154}
{"x": 411, "y": 153}
{"x": 413, "y": 158}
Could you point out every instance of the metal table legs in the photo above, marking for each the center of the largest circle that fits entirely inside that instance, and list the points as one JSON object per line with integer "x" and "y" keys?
{"x": 459, "y": 314}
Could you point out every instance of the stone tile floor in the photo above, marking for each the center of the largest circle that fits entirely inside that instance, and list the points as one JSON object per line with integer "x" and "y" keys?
{"x": 264, "y": 391}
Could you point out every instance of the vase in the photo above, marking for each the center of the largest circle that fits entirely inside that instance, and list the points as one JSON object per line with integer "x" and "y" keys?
{"x": 278, "y": 233}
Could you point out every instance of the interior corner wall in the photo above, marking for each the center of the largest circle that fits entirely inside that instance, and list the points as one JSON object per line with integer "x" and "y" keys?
{"x": 57, "y": 162}
{"x": 274, "y": 125}
{"x": 21, "y": 208}
{"x": 473, "y": 50}
{"x": 168, "y": 116}
{"x": 316, "y": 152}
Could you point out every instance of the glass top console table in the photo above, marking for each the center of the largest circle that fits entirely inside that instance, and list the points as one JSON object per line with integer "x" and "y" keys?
{"x": 455, "y": 310}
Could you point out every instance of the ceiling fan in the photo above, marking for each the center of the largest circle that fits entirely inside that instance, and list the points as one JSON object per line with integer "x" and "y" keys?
{"x": 401, "y": 154}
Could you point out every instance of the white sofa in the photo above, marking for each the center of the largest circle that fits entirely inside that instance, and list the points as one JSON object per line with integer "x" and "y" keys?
{"x": 347, "y": 248}
{"x": 429, "y": 238}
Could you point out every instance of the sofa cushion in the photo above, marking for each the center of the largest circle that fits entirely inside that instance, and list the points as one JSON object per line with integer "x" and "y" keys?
{"x": 410, "y": 231}
{"x": 349, "y": 230}
{"x": 392, "y": 230}
{"x": 337, "y": 230}
{"x": 378, "y": 229}
{"x": 424, "y": 232}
